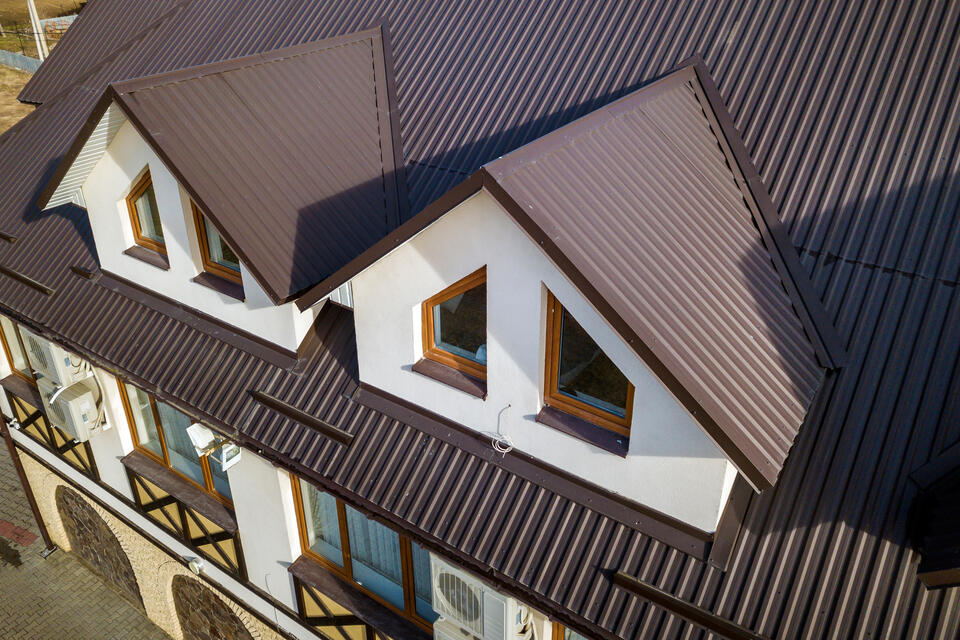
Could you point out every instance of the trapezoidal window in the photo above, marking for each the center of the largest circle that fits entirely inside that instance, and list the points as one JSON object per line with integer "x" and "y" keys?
{"x": 144, "y": 215}
{"x": 218, "y": 258}
{"x": 580, "y": 379}
{"x": 455, "y": 325}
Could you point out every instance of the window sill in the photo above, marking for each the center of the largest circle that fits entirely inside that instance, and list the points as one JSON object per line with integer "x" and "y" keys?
{"x": 149, "y": 256}
{"x": 452, "y": 378}
{"x": 22, "y": 389}
{"x": 367, "y": 609}
{"x": 220, "y": 285}
{"x": 584, "y": 430}
{"x": 183, "y": 490}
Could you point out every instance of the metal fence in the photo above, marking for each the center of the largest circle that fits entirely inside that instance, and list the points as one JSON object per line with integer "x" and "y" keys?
{"x": 19, "y": 61}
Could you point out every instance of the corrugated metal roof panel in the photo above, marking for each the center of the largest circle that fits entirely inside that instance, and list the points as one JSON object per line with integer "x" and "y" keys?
{"x": 641, "y": 200}
{"x": 850, "y": 111}
{"x": 290, "y": 154}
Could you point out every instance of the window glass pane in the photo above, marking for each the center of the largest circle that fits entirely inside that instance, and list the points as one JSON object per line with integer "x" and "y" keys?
{"x": 421, "y": 583}
{"x": 183, "y": 457}
{"x": 460, "y": 324}
{"x": 219, "y": 252}
{"x": 375, "y": 557}
{"x": 322, "y": 523}
{"x": 148, "y": 215}
{"x": 143, "y": 420}
{"x": 17, "y": 357}
{"x": 220, "y": 482}
{"x": 586, "y": 373}
{"x": 572, "y": 635}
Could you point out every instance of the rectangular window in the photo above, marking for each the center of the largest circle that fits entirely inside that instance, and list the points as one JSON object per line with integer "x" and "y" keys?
{"x": 145, "y": 216}
{"x": 160, "y": 431}
{"x": 383, "y": 563}
{"x": 218, "y": 258}
{"x": 13, "y": 346}
{"x": 455, "y": 325}
{"x": 580, "y": 378}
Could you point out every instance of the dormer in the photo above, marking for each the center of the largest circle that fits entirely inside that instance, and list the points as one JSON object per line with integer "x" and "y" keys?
{"x": 231, "y": 188}
{"x": 616, "y": 300}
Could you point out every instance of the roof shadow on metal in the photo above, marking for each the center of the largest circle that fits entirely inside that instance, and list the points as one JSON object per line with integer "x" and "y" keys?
{"x": 294, "y": 154}
{"x": 653, "y": 209}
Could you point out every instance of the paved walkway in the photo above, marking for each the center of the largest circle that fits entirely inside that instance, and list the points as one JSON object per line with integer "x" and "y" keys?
{"x": 57, "y": 598}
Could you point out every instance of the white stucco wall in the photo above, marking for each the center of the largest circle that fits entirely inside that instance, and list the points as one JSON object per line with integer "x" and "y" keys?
{"x": 671, "y": 466}
{"x": 105, "y": 192}
{"x": 264, "y": 506}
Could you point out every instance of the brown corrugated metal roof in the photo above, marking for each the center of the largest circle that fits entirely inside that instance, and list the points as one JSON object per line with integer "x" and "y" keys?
{"x": 291, "y": 154}
{"x": 851, "y": 113}
{"x": 640, "y": 206}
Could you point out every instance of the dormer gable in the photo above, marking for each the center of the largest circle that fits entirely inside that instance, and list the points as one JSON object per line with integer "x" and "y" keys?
{"x": 651, "y": 210}
{"x": 292, "y": 154}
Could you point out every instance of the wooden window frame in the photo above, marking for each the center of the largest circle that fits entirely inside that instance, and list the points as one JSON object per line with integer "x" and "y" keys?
{"x": 346, "y": 571}
{"x": 6, "y": 349}
{"x": 138, "y": 190}
{"x": 165, "y": 458}
{"x": 551, "y": 393}
{"x": 211, "y": 267}
{"x": 433, "y": 352}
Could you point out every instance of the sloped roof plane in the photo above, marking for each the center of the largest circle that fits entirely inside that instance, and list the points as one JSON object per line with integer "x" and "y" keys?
{"x": 640, "y": 204}
{"x": 292, "y": 154}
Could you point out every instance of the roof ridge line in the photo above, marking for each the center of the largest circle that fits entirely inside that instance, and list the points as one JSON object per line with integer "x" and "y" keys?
{"x": 122, "y": 49}
{"x": 220, "y": 66}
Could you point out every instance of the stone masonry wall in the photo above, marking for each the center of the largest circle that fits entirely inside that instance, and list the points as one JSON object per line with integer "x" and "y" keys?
{"x": 204, "y": 616}
{"x": 154, "y": 569}
{"x": 92, "y": 540}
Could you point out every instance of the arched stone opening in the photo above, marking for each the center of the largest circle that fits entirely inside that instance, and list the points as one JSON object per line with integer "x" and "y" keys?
{"x": 203, "y": 615}
{"x": 92, "y": 539}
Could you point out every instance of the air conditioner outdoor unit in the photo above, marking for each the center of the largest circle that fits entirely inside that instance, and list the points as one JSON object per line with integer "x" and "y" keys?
{"x": 53, "y": 362}
{"x": 207, "y": 443}
{"x": 72, "y": 409}
{"x": 477, "y": 610}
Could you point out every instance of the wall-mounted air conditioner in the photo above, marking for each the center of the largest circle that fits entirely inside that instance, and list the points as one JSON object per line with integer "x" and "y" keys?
{"x": 473, "y": 608}
{"x": 72, "y": 409}
{"x": 207, "y": 443}
{"x": 53, "y": 362}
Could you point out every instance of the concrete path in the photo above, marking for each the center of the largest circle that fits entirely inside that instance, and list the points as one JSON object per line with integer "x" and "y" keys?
{"x": 58, "y": 598}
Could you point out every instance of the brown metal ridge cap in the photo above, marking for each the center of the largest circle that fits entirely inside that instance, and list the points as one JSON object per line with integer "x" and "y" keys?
{"x": 285, "y": 409}
{"x": 742, "y": 451}
{"x": 83, "y": 134}
{"x": 27, "y": 280}
{"x": 398, "y": 177}
{"x": 431, "y": 213}
{"x": 207, "y": 324}
{"x": 672, "y": 532}
{"x": 211, "y": 68}
{"x": 818, "y": 326}
{"x": 690, "y": 612}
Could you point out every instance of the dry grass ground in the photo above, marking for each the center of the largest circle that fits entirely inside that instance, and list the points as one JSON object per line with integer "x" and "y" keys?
{"x": 11, "y": 81}
{"x": 15, "y": 11}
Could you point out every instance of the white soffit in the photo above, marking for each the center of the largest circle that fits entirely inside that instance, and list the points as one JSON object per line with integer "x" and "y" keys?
{"x": 69, "y": 189}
